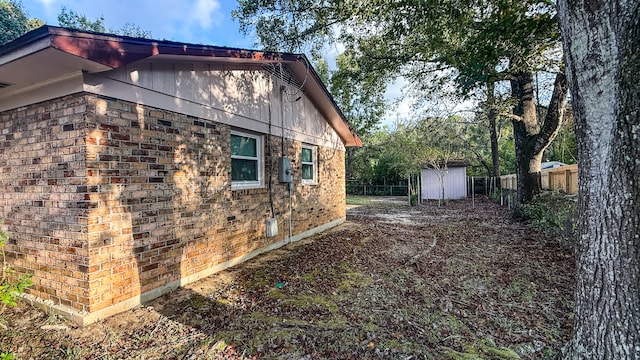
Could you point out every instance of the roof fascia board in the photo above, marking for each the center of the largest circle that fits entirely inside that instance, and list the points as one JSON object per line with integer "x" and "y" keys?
{"x": 28, "y": 49}
{"x": 131, "y": 49}
{"x": 29, "y": 38}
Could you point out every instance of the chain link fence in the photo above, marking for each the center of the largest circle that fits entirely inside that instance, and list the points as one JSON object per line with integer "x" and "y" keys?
{"x": 358, "y": 187}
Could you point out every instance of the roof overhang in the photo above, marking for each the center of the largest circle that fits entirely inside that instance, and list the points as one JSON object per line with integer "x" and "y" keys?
{"x": 455, "y": 163}
{"x": 52, "y": 52}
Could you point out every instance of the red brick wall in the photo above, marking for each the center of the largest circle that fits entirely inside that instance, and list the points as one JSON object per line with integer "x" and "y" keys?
{"x": 119, "y": 199}
{"x": 42, "y": 194}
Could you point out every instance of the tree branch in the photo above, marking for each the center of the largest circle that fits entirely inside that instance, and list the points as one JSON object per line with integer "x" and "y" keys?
{"x": 510, "y": 116}
{"x": 555, "y": 114}
{"x": 482, "y": 161}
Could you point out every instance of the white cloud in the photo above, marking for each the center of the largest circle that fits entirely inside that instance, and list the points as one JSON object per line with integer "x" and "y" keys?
{"x": 207, "y": 12}
{"x": 400, "y": 102}
{"x": 46, "y": 3}
{"x": 396, "y": 89}
{"x": 50, "y": 7}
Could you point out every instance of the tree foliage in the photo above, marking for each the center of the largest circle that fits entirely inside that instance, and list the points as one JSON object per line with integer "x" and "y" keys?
{"x": 564, "y": 148}
{"x": 470, "y": 39}
{"x": 360, "y": 99}
{"x": 71, "y": 19}
{"x": 467, "y": 44}
{"x": 357, "y": 94}
{"x": 480, "y": 146}
{"x": 395, "y": 154}
{"x": 14, "y": 22}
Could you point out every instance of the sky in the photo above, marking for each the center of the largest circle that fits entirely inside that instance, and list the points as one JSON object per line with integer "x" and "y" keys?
{"x": 192, "y": 21}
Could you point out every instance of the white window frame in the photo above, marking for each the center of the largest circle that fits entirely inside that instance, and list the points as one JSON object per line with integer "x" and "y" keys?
{"x": 259, "y": 157}
{"x": 314, "y": 163}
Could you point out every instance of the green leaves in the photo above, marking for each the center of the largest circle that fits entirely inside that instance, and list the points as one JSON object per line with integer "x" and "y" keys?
{"x": 443, "y": 48}
{"x": 9, "y": 292}
{"x": 284, "y": 25}
{"x": 3, "y": 237}
{"x": 13, "y": 21}
{"x": 71, "y": 19}
{"x": 392, "y": 38}
{"x": 358, "y": 95}
{"x": 396, "y": 154}
{"x": 10, "y": 289}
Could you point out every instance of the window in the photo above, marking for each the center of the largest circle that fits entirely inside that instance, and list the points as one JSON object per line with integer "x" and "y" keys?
{"x": 309, "y": 160}
{"x": 246, "y": 160}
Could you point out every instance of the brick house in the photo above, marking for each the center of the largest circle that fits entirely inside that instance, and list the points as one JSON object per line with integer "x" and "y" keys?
{"x": 129, "y": 166}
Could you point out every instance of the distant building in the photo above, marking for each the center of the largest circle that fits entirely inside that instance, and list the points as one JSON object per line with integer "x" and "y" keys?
{"x": 454, "y": 180}
{"x": 551, "y": 165}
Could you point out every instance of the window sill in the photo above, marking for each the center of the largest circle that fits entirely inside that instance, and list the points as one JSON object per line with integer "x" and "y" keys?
{"x": 247, "y": 187}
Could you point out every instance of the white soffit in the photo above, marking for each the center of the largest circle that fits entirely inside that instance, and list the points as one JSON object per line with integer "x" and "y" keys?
{"x": 41, "y": 66}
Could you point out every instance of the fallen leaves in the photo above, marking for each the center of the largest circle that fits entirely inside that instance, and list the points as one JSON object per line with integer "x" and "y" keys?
{"x": 437, "y": 283}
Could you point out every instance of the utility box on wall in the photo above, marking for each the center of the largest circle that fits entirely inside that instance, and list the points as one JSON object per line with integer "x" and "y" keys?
{"x": 284, "y": 170}
{"x": 272, "y": 227}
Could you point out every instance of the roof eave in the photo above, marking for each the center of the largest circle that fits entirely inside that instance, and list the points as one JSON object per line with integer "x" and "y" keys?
{"x": 114, "y": 51}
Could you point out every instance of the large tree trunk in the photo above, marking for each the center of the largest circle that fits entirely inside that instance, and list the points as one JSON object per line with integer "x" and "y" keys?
{"x": 532, "y": 138}
{"x": 492, "y": 115}
{"x": 525, "y": 131}
{"x": 601, "y": 46}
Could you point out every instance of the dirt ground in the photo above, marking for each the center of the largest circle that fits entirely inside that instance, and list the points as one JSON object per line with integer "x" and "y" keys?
{"x": 393, "y": 281}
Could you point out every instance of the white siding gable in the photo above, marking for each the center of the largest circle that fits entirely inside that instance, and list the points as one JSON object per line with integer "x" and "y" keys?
{"x": 243, "y": 97}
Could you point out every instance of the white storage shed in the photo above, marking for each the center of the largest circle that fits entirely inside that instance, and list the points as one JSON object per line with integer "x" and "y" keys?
{"x": 454, "y": 180}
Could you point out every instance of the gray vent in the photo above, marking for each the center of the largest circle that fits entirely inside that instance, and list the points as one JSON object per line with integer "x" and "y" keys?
{"x": 281, "y": 72}
{"x": 4, "y": 85}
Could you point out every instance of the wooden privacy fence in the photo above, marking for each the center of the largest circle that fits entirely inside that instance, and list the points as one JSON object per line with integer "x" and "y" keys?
{"x": 564, "y": 178}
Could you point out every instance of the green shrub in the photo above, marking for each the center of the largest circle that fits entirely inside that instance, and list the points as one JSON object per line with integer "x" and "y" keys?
{"x": 495, "y": 196}
{"x": 9, "y": 290}
{"x": 553, "y": 213}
